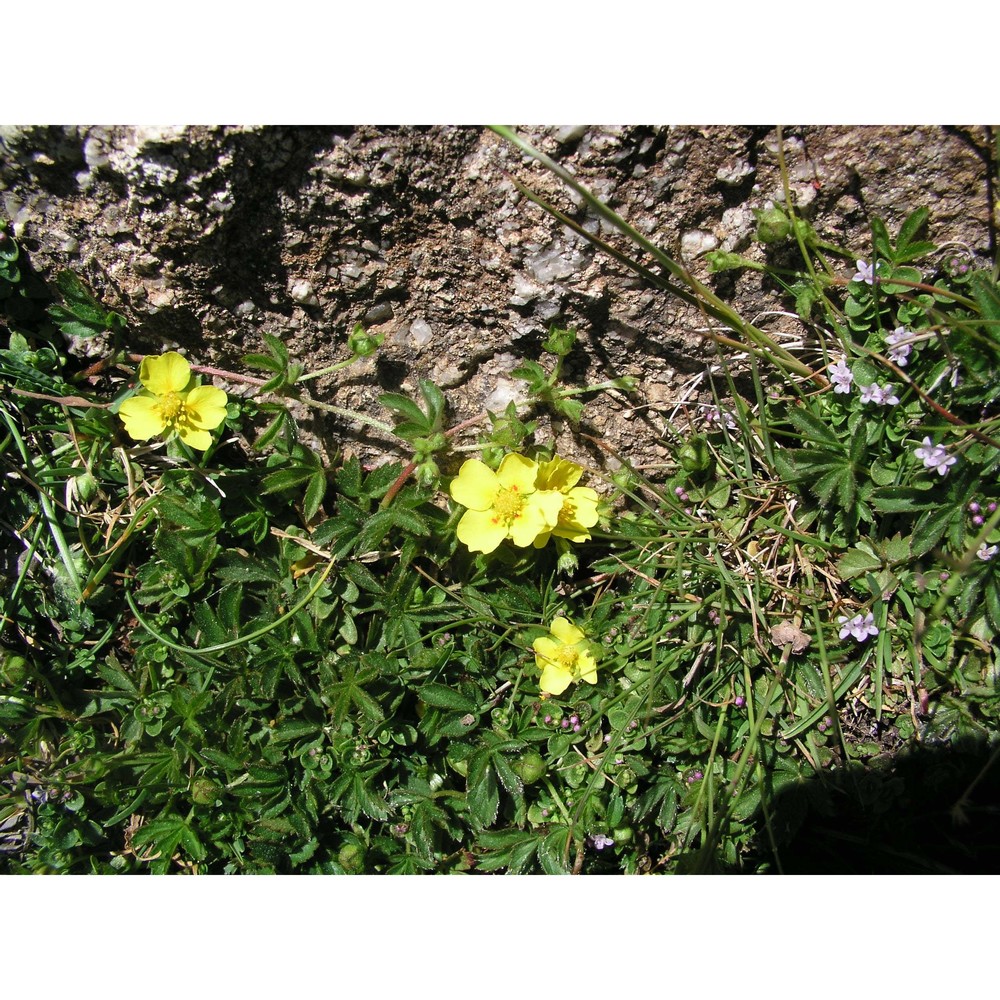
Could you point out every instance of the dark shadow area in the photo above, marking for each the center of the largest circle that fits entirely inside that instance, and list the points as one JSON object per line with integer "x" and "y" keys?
{"x": 932, "y": 810}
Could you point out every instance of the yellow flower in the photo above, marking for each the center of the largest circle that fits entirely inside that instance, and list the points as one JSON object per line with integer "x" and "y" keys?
{"x": 502, "y": 504}
{"x": 166, "y": 404}
{"x": 579, "y": 503}
{"x": 564, "y": 657}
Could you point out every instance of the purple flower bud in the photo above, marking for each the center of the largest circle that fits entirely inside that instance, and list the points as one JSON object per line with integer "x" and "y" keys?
{"x": 679, "y": 490}
{"x": 576, "y": 728}
{"x": 548, "y": 719}
{"x": 973, "y": 507}
{"x": 978, "y": 519}
{"x": 574, "y": 719}
{"x": 740, "y": 701}
{"x": 991, "y": 507}
{"x": 564, "y": 723}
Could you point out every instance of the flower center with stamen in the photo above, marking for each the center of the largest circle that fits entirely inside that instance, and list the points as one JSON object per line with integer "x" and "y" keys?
{"x": 567, "y": 513}
{"x": 508, "y": 504}
{"x": 567, "y": 657}
{"x": 171, "y": 406}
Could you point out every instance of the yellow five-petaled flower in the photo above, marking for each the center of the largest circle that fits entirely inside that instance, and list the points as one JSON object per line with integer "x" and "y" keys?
{"x": 579, "y": 503}
{"x": 166, "y": 404}
{"x": 503, "y": 504}
{"x": 564, "y": 657}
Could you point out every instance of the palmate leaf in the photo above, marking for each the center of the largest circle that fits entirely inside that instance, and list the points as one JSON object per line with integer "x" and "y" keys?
{"x": 416, "y": 422}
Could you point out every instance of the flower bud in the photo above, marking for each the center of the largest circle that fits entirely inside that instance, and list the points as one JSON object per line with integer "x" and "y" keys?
{"x": 530, "y": 767}
{"x": 773, "y": 225}
{"x": 559, "y": 342}
{"x": 695, "y": 456}
{"x": 204, "y": 791}
{"x": 352, "y": 858}
{"x": 361, "y": 343}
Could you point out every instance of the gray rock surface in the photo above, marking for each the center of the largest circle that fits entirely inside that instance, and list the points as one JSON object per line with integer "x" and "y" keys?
{"x": 207, "y": 237}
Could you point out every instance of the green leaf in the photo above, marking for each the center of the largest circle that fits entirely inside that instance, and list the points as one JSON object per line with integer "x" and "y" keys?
{"x": 812, "y": 428}
{"x": 902, "y": 500}
{"x": 552, "y": 850}
{"x": 855, "y": 561}
{"x": 483, "y": 795}
{"x": 932, "y": 526}
{"x": 987, "y": 296}
{"x": 439, "y": 696}
{"x": 293, "y": 729}
{"x": 912, "y": 225}
{"x": 315, "y": 491}
{"x": 571, "y": 409}
{"x": 880, "y": 239}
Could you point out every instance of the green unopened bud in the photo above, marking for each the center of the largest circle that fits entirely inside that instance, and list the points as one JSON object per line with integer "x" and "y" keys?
{"x": 568, "y": 561}
{"x": 530, "y": 767}
{"x": 361, "y": 343}
{"x": 625, "y": 479}
{"x": 695, "y": 456}
{"x": 773, "y": 225}
{"x": 428, "y": 472}
{"x": 14, "y": 669}
{"x": 352, "y": 858}
{"x": 204, "y": 791}
{"x": 85, "y": 487}
{"x": 559, "y": 342}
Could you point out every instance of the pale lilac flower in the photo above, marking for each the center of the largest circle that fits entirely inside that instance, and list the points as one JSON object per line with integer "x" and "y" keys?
{"x": 935, "y": 456}
{"x": 870, "y": 393}
{"x": 866, "y": 273}
{"x": 860, "y": 626}
{"x": 599, "y": 841}
{"x": 887, "y": 396}
{"x": 716, "y": 418}
{"x": 900, "y": 348}
{"x": 841, "y": 376}
{"x": 986, "y": 552}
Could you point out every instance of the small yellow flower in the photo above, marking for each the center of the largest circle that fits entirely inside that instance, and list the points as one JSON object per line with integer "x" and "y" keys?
{"x": 167, "y": 405}
{"x": 579, "y": 503}
{"x": 502, "y": 504}
{"x": 564, "y": 657}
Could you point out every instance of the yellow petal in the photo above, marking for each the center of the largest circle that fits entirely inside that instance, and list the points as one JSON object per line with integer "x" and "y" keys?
{"x": 168, "y": 373}
{"x": 475, "y": 486}
{"x": 205, "y": 406}
{"x": 549, "y": 503}
{"x": 518, "y": 472}
{"x": 555, "y": 679}
{"x": 546, "y": 647}
{"x": 481, "y": 530}
{"x": 194, "y": 438}
{"x": 585, "y": 500}
{"x": 558, "y": 474}
{"x": 142, "y": 417}
{"x": 586, "y": 666}
{"x": 566, "y": 632}
{"x": 528, "y": 525}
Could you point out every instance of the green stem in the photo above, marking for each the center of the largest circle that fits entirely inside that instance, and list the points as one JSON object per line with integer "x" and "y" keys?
{"x": 690, "y": 289}
{"x": 239, "y": 640}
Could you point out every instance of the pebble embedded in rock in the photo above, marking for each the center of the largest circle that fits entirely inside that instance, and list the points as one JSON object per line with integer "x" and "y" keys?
{"x": 696, "y": 242}
{"x": 421, "y": 333}
{"x": 303, "y": 293}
